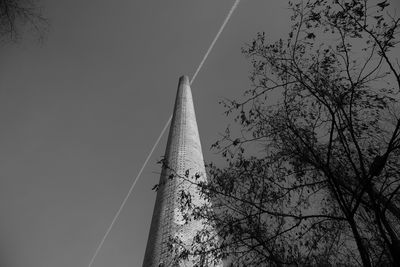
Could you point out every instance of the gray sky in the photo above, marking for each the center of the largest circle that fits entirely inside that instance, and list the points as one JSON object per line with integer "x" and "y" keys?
{"x": 79, "y": 113}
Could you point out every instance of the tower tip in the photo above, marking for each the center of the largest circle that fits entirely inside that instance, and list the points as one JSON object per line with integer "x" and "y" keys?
{"x": 184, "y": 79}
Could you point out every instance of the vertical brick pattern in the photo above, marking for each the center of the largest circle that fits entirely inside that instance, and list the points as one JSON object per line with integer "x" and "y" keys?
{"x": 183, "y": 153}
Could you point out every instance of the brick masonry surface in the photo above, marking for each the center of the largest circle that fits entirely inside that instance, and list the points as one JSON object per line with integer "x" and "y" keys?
{"x": 183, "y": 153}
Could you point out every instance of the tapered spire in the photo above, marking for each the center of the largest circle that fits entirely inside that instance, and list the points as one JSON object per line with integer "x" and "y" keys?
{"x": 183, "y": 153}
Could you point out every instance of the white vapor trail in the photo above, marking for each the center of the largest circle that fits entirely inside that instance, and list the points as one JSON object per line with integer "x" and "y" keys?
{"x": 215, "y": 39}
{"x": 129, "y": 192}
{"x": 159, "y": 138}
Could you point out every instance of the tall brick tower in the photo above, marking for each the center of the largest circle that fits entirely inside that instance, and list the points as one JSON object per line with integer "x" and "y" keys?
{"x": 183, "y": 153}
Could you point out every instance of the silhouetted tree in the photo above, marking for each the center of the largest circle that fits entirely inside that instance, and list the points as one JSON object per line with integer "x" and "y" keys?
{"x": 314, "y": 175}
{"x": 15, "y": 15}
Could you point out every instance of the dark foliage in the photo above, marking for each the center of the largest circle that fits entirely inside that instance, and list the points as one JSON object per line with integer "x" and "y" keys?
{"x": 314, "y": 176}
{"x": 17, "y": 15}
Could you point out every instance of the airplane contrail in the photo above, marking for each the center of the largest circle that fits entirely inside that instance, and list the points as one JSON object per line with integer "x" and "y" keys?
{"x": 234, "y": 6}
{"x": 100, "y": 245}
